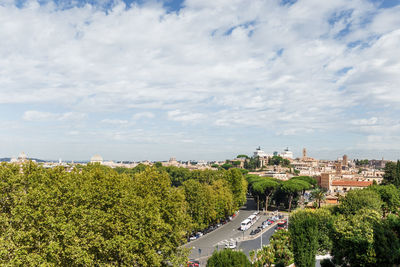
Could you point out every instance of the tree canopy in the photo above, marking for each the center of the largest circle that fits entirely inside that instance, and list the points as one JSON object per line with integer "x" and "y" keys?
{"x": 228, "y": 258}
{"x": 90, "y": 216}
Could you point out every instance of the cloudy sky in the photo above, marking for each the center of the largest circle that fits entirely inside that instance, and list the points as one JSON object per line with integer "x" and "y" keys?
{"x": 199, "y": 79}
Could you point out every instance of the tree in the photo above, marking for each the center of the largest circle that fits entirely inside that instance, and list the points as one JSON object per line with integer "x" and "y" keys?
{"x": 392, "y": 174}
{"x": 265, "y": 187}
{"x": 224, "y": 204}
{"x": 353, "y": 238}
{"x": 228, "y": 258}
{"x": 227, "y": 166}
{"x": 293, "y": 186}
{"x": 91, "y": 216}
{"x": 238, "y": 186}
{"x": 312, "y": 181}
{"x": 303, "y": 229}
{"x": 325, "y": 220}
{"x": 357, "y": 199}
{"x": 242, "y": 156}
{"x": 158, "y": 164}
{"x": 200, "y": 199}
{"x": 236, "y": 163}
{"x": 282, "y": 247}
{"x": 319, "y": 195}
{"x": 390, "y": 197}
{"x": 387, "y": 241}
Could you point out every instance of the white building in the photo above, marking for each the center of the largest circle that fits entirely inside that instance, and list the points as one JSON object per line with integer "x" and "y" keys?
{"x": 287, "y": 154}
{"x": 260, "y": 153}
{"x": 96, "y": 159}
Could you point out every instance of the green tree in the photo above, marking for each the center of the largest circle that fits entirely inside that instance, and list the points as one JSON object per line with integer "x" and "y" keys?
{"x": 265, "y": 187}
{"x": 292, "y": 187}
{"x": 355, "y": 200}
{"x": 325, "y": 219}
{"x": 228, "y": 258}
{"x": 303, "y": 229}
{"x": 318, "y": 195}
{"x": 236, "y": 163}
{"x": 387, "y": 242}
{"x": 227, "y": 166}
{"x": 224, "y": 204}
{"x": 200, "y": 201}
{"x": 392, "y": 174}
{"x": 390, "y": 197}
{"x": 312, "y": 181}
{"x": 238, "y": 186}
{"x": 242, "y": 156}
{"x": 90, "y": 216}
{"x": 282, "y": 247}
{"x": 353, "y": 238}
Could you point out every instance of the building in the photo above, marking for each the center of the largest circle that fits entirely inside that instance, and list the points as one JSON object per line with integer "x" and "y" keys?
{"x": 343, "y": 186}
{"x": 260, "y": 153}
{"x": 96, "y": 159}
{"x": 287, "y": 154}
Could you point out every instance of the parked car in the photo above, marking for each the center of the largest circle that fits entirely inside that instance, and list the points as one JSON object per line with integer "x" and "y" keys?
{"x": 199, "y": 234}
{"x": 192, "y": 238}
{"x": 255, "y": 231}
{"x": 193, "y": 263}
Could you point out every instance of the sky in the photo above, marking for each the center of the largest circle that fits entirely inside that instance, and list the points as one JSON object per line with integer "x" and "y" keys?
{"x": 199, "y": 79}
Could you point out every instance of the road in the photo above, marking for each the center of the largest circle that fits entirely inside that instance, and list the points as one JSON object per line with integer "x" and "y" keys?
{"x": 247, "y": 246}
{"x": 205, "y": 246}
{"x": 208, "y": 243}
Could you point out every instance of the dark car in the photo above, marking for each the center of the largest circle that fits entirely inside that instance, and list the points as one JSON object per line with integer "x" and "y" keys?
{"x": 255, "y": 231}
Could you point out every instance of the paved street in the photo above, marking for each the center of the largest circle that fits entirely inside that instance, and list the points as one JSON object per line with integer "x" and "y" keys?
{"x": 204, "y": 246}
{"x": 247, "y": 246}
{"x": 208, "y": 242}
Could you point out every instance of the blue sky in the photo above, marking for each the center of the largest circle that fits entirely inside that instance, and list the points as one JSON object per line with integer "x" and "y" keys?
{"x": 199, "y": 79}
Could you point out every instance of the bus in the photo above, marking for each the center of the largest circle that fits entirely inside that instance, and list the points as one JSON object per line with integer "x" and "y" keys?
{"x": 253, "y": 218}
{"x": 245, "y": 224}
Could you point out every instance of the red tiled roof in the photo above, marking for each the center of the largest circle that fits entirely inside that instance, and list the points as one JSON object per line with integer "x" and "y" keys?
{"x": 351, "y": 183}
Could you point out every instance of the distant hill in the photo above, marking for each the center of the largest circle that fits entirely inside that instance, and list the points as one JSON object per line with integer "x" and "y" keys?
{"x": 37, "y": 160}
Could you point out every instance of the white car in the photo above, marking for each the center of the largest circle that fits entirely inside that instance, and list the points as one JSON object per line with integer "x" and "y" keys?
{"x": 231, "y": 245}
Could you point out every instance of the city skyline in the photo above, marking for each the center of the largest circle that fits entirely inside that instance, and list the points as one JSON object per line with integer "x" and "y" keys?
{"x": 195, "y": 79}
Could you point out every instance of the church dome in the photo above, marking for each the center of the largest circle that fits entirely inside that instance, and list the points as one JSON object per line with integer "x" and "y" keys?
{"x": 96, "y": 158}
{"x": 22, "y": 156}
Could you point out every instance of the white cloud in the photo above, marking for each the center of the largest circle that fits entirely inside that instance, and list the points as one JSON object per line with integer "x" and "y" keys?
{"x": 178, "y": 115}
{"x": 144, "y": 115}
{"x": 363, "y": 122}
{"x": 34, "y": 115}
{"x": 114, "y": 121}
{"x": 294, "y": 70}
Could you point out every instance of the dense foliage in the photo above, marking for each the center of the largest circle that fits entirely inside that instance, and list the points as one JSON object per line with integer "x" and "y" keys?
{"x": 277, "y": 252}
{"x": 363, "y": 230}
{"x": 278, "y": 160}
{"x": 267, "y": 188}
{"x": 304, "y": 227}
{"x": 228, "y": 258}
{"x": 90, "y": 216}
{"x": 94, "y": 215}
{"x": 392, "y": 174}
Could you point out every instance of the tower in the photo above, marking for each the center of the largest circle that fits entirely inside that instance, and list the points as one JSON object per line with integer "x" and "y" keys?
{"x": 345, "y": 160}
{"x": 304, "y": 153}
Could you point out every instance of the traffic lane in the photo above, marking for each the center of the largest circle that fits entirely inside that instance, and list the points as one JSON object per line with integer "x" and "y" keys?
{"x": 207, "y": 243}
{"x": 228, "y": 231}
{"x": 247, "y": 246}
